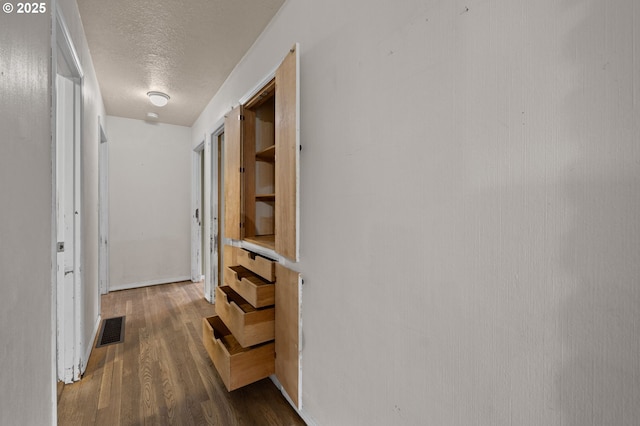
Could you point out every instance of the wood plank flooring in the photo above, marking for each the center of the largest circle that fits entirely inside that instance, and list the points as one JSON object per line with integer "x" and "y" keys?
{"x": 161, "y": 374}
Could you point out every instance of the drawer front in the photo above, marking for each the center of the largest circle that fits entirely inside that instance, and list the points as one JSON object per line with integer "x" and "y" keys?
{"x": 257, "y": 264}
{"x": 254, "y": 289}
{"x": 237, "y": 366}
{"x": 250, "y": 326}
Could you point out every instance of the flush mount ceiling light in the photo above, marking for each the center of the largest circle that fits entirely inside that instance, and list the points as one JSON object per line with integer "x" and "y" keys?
{"x": 159, "y": 99}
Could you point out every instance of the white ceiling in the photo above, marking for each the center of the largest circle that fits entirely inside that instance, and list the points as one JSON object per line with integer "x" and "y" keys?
{"x": 184, "y": 48}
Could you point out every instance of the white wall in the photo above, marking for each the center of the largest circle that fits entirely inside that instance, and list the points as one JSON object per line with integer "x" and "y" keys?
{"x": 26, "y": 249}
{"x": 27, "y": 243}
{"x": 149, "y": 203}
{"x": 470, "y": 196}
{"x": 93, "y": 108}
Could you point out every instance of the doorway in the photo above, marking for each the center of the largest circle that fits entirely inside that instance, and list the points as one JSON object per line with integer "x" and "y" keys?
{"x": 198, "y": 191}
{"x": 216, "y": 208}
{"x": 103, "y": 212}
{"x": 207, "y": 218}
{"x": 68, "y": 213}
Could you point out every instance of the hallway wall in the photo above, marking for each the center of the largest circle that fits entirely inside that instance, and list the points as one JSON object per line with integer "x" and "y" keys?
{"x": 26, "y": 250}
{"x": 470, "y": 189}
{"x": 27, "y": 259}
{"x": 150, "y": 203}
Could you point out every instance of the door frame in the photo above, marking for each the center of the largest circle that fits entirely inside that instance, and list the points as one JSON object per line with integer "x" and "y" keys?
{"x": 214, "y": 209}
{"x": 67, "y": 306}
{"x": 196, "y": 213}
{"x": 103, "y": 211}
{"x": 206, "y": 219}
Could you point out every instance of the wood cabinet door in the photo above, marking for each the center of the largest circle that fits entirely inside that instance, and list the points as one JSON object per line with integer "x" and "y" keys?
{"x": 248, "y": 175}
{"x": 287, "y": 132}
{"x": 232, "y": 176}
{"x": 287, "y": 323}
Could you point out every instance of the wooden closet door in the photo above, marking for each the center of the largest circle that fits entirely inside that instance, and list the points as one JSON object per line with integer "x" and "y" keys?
{"x": 288, "y": 298}
{"x": 287, "y": 155}
{"x": 232, "y": 176}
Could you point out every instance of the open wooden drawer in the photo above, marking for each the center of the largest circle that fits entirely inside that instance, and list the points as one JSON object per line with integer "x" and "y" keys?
{"x": 236, "y": 365}
{"x": 261, "y": 266}
{"x": 254, "y": 289}
{"x": 250, "y": 326}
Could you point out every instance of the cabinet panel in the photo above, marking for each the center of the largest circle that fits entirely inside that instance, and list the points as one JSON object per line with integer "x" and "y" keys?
{"x": 249, "y": 172}
{"x": 237, "y": 366}
{"x": 287, "y": 155}
{"x": 250, "y": 326}
{"x": 232, "y": 165}
{"x": 230, "y": 256}
{"x": 288, "y": 292}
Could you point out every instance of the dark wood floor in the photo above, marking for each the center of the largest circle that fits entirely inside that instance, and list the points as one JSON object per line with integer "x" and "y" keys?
{"x": 161, "y": 374}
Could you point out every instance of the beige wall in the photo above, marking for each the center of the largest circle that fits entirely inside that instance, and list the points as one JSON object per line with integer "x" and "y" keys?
{"x": 469, "y": 208}
{"x": 26, "y": 250}
{"x": 149, "y": 203}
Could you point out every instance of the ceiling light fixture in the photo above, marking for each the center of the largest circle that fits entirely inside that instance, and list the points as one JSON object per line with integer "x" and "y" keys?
{"x": 159, "y": 99}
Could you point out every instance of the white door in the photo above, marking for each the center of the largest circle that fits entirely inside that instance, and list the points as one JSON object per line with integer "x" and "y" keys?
{"x": 197, "y": 189}
{"x": 103, "y": 212}
{"x": 212, "y": 213}
{"x": 67, "y": 116}
{"x": 217, "y": 208}
{"x": 65, "y": 129}
{"x": 206, "y": 214}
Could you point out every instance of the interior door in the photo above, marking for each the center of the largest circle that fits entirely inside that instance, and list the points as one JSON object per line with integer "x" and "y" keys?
{"x": 70, "y": 341}
{"x": 217, "y": 141}
{"x": 197, "y": 215}
{"x": 287, "y": 173}
{"x": 65, "y": 227}
{"x": 103, "y": 212}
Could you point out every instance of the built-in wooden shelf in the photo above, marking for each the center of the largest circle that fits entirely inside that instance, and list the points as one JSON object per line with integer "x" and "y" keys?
{"x": 268, "y": 154}
{"x": 268, "y": 241}
{"x": 266, "y": 197}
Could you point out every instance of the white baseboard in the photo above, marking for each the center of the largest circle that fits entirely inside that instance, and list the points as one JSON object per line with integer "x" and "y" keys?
{"x": 129, "y": 286}
{"x": 301, "y": 412}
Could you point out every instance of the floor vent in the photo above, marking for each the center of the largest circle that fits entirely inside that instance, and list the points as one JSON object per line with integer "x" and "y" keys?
{"x": 112, "y": 331}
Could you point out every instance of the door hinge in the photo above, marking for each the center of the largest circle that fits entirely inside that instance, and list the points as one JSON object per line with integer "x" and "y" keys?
{"x": 240, "y": 117}
{"x": 241, "y": 169}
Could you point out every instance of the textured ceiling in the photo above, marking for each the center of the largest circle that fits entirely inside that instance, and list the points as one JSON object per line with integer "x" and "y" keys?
{"x": 185, "y": 48}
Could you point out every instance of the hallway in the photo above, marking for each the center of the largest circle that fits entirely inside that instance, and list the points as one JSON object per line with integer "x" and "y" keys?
{"x": 162, "y": 374}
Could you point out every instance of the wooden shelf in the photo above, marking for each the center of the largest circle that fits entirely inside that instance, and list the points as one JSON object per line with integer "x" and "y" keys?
{"x": 268, "y": 241}
{"x": 268, "y": 155}
{"x": 266, "y": 197}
